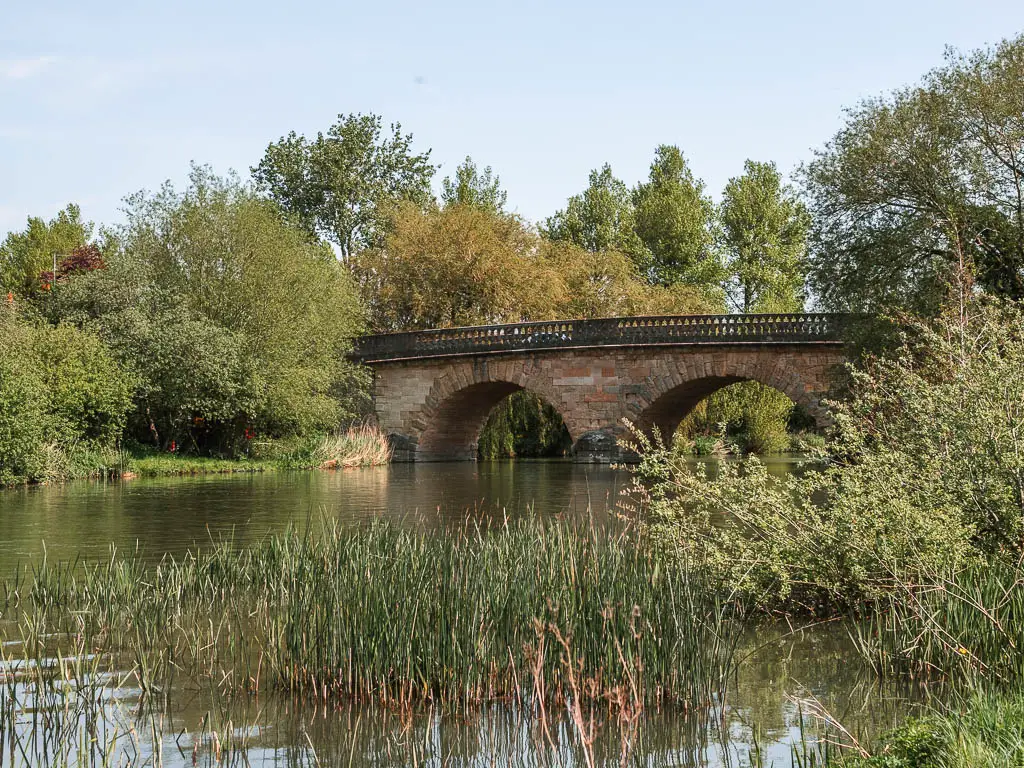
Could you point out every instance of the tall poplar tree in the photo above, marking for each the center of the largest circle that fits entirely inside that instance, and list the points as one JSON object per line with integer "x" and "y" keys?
{"x": 764, "y": 236}
{"x": 675, "y": 221}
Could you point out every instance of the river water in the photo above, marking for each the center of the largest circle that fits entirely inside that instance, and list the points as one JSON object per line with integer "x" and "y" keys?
{"x": 788, "y": 673}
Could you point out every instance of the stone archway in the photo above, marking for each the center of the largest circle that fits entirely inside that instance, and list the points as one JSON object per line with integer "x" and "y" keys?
{"x": 447, "y": 426}
{"x": 674, "y": 389}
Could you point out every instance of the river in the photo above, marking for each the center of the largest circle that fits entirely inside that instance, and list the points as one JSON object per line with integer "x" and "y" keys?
{"x": 786, "y": 670}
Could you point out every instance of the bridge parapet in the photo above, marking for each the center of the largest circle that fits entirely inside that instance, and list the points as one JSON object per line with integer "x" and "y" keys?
{"x": 615, "y": 331}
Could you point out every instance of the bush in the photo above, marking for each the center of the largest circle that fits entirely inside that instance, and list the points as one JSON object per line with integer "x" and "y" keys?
{"x": 234, "y": 323}
{"x": 88, "y": 394}
{"x": 923, "y": 475}
{"x": 22, "y": 404}
{"x": 63, "y": 401}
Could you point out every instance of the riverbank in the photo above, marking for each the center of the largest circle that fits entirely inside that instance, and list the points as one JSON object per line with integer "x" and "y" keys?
{"x": 359, "y": 446}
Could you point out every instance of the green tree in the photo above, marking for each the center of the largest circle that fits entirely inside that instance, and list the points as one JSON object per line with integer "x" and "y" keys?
{"x": 675, "y": 221}
{"x": 344, "y": 185}
{"x": 25, "y": 255}
{"x": 923, "y": 182}
{"x": 231, "y": 319}
{"x": 764, "y": 236}
{"x": 601, "y": 218}
{"x": 473, "y": 187}
{"x": 607, "y": 284}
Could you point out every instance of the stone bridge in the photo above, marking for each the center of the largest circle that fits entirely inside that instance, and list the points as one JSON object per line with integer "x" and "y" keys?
{"x": 433, "y": 390}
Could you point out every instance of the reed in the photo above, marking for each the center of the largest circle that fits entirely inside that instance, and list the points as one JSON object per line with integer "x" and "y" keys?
{"x": 530, "y": 612}
{"x": 966, "y": 626}
{"x": 362, "y": 445}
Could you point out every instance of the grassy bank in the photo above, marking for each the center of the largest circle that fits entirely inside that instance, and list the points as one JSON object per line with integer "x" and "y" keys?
{"x": 987, "y": 732}
{"x": 358, "y": 446}
{"x": 543, "y": 612}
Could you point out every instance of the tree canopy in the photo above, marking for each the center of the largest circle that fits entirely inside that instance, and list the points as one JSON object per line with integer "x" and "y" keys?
{"x": 213, "y": 282}
{"x": 764, "y": 236}
{"x": 675, "y": 220}
{"x": 474, "y": 187}
{"x": 343, "y": 185}
{"x": 920, "y": 183}
{"x": 25, "y": 255}
{"x": 601, "y": 218}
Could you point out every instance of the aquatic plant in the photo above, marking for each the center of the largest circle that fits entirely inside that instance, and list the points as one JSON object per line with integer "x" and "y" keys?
{"x": 524, "y": 611}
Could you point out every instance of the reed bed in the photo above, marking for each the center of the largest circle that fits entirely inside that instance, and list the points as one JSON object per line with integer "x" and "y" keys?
{"x": 532, "y": 612}
{"x": 364, "y": 445}
{"x": 361, "y": 445}
{"x": 966, "y": 626}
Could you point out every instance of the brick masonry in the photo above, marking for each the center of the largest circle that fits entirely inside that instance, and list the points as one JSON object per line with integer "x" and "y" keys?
{"x": 434, "y": 409}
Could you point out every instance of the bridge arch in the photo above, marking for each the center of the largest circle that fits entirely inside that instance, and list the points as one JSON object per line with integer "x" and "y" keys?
{"x": 455, "y": 410}
{"x": 665, "y": 403}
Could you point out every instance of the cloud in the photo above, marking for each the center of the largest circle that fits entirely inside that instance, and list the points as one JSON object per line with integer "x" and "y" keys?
{"x": 22, "y": 69}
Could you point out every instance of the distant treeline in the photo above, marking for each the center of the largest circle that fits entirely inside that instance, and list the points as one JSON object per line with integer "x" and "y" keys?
{"x": 220, "y": 314}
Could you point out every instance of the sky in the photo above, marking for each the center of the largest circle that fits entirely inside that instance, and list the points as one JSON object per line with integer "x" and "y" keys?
{"x": 100, "y": 99}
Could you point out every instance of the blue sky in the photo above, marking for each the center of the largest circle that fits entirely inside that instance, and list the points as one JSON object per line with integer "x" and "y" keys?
{"x": 101, "y": 99}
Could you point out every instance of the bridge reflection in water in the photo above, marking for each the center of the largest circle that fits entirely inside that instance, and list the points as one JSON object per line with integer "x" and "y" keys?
{"x": 433, "y": 390}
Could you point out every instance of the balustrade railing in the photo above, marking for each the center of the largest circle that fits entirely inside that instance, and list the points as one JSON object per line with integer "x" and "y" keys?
{"x": 612, "y": 331}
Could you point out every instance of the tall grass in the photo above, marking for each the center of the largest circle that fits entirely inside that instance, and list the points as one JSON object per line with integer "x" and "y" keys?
{"x": 987, "y": 732}
{"x": 968, "y": 625}
{"x": 363, "y": 445}
{"x": 536, "y": 612}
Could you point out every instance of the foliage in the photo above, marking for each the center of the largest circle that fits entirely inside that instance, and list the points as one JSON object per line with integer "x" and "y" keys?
{"x": 926, "y": 472}
{"x": 747, "y": 414}
{"x": 475, "y": 188}
{"x": 524, "y": 425}
{"x": 460, "y": 265}
{"x": 987, "y": 733}
{"x": 764, "y": 235}
{"x": 466, "y": 265}
{"x": 88, "y": 394}
{"x": 918, "y": 183}
{"x": 211, "y": 281}
{"x": 607, "y": 284}
{"x": 599, "y": 219}
{"x": 84, "y": 258}
{"x": 61, "y": 396}
{"x": 675, "y": 220}
{"x": 343, "y": 185}
{"x": 22, "y": 403}
{"x": 24, "y": 256}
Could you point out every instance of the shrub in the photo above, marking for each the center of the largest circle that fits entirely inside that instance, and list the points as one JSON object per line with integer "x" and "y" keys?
{"x": 63, "y": 400}
{"x": 22, "y": 404}
{"x": 88, "y": 394}
{"x": 924, "y": 473}
{"x": 234, "y": 323}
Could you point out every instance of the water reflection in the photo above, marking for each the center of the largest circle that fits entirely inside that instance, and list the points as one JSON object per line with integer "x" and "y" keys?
{"x": 173, "y": 514}
{"x": 764, "y": 711}
{"x": 170, "y": 515}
